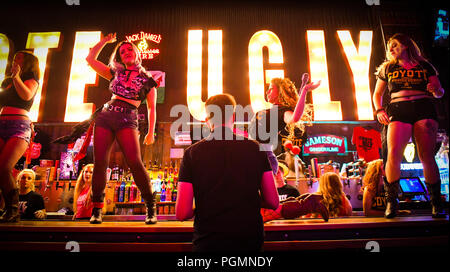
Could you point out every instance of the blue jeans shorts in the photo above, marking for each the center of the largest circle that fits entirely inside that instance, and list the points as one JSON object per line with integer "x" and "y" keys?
{"x": 116, "y": 116}
{"x": 15, "y": 128}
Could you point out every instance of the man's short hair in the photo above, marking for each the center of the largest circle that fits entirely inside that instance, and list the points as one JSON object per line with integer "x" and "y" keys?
{"x": 223, "y": 104}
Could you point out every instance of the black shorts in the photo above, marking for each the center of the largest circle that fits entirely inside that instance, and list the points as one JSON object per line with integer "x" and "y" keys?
{"x": 117, "y": 115}
{"x": 412, "y": 111}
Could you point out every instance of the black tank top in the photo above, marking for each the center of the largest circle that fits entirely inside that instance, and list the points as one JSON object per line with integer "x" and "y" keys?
{"x": 9, "y": 96}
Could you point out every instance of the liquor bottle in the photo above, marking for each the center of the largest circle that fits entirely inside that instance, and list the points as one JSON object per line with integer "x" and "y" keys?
{"x": 174, "y": 195}
{"x": 133, "y": 191}
{"x": 160, "y": 172}
{"x": 122, "y": 191}
{"x": 126, "y": 197}
{"x": 116, "y": 192}
{"x": 166, "y": 171}
{"x": 115, "y": 173}
{"x": 175, "y": 170}
{"x": 122, "y": 173}
{"x": 171, "y": 169}
{"x": 168, "y": 193}
{"x": 138, "y": 196}
{"x": 163, "y": 194}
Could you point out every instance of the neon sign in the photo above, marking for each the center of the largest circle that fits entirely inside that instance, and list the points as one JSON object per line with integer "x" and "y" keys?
{"x": 144, "y": 50}
{"x": 325, "y": 144}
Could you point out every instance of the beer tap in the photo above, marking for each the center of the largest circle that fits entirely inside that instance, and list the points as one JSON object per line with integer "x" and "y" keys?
{"x": 70, "y": 186}
{"x": 59, "y": 186}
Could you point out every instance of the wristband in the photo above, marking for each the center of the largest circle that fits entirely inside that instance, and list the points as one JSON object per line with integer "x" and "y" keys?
{"x": 380, "y": 109}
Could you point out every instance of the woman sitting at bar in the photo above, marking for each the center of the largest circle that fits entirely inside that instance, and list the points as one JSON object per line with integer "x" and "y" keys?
{"x": 31, "y": 204}
{"x": 374, "y": 199}
{"x": 82, "y": 197}
{"x": 292, "y": 204}
{"x": 16, "y": 98}
{"x": 330, "y": 187}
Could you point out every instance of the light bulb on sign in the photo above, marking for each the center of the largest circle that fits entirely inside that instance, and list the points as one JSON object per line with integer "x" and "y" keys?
{"x": 41, "y": 42}
{"x": 324, "y": 108}
{"x": 80, "y": 75}
{"x": 359, "y": 61}
{"x": 194, "y": 72}
{"x": 4, "y": 52}
{"x": 260, "y": 39}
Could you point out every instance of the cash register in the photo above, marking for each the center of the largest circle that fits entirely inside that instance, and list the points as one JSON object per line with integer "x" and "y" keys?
{"x": 413, "y": 193}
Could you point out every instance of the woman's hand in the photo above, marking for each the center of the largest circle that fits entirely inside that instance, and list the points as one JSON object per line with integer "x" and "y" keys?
{"x": 149, "y": 139}
{"x": 40, "y": 214}
{"x": 435, "y": 89}
{"x": 110, "y": 38}
{"x": 382, "y": 117}
{"x": 15, "y": 70}
{"x": 311, "y": 86}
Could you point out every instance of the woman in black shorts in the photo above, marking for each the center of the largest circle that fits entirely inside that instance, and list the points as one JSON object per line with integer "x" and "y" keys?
{"x": 130, "y": 84}
{"x": 412, "y": 82}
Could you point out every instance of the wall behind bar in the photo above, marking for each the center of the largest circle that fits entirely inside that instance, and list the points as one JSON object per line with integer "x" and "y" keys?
{"x": 239, "y": 21}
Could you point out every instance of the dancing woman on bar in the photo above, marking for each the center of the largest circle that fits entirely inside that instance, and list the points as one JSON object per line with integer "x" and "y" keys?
{"x": 289, "y": 105}
{"x": 130, "y": 84}
{"x": 412, "y": 83}
{"x": 16, "y": 99}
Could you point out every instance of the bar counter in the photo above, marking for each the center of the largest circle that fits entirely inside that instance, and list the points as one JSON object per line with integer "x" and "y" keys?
{"x": 418, "y": 231}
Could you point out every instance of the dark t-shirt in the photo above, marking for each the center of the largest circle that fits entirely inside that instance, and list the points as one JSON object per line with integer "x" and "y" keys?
{"x": 10, "y": 97}
{"x": 260, "y": 126}
{"x": 399, "y": 78}
{"x": 226, "y": 179}
{"x": 29, "y": 204}
{"x": 287, "y": 191}
{"x": 379, "y": 201}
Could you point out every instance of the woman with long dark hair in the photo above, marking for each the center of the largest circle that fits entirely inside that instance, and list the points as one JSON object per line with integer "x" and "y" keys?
{"x": 16, "y": 98}
{"x": 412, "y": 83}
{"x": 130, "y": 85}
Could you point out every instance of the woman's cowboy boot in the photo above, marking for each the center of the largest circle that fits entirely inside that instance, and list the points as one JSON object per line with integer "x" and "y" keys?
{"x": 11, "y": 213}
{"x": 304, "y": 204}
{"x": 434, "y": 190}
{"x": 150, "y": 215}
{"x": 97, "y": 216}
{"x": 391, "y": 192}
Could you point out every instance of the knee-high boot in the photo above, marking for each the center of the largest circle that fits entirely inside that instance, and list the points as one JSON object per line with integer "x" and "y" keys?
{"x": 304, "y": 204}
{"x": 97, "y": 214}
{"x": 150, "y": 205}
{"x": 435, "y": 198}
{"x": 11, "y": 213}
{"x": 391, "y": 191}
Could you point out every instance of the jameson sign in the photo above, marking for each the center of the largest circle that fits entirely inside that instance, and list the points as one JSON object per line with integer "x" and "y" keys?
{"x": 325, "y": 144}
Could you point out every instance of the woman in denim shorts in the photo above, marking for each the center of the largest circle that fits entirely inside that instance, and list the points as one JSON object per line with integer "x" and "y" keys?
{"x": 413, "y": 84}
{"x": 16, "y": 99}
{"x": 130, "y": 84}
